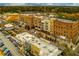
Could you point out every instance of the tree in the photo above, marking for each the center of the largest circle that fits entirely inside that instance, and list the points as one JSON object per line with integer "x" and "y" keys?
{"x": 68, "y": 51}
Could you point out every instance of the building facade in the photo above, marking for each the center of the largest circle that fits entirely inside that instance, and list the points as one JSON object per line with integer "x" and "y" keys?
{"x": 28, "y": 19}
{"x": 65, "y": 28}
{"x": 37, "y": 22}
{"x": 56, "y": 27}
{"x": 13, "y": 17}
{"x": 45, "y": 24}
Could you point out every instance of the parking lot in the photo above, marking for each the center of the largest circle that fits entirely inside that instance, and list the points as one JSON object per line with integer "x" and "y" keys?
{"x": 9, "y": 45}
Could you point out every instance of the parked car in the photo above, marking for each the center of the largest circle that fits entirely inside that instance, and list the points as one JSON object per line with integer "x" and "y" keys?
{"x": 11, "y": 39}
{"x": 4, "y": 48}
{"x": 6, "y": 51}
{"x": 15, "y": 43}
{"x": 9, "y": 54}
{"x": 1, "y": 44}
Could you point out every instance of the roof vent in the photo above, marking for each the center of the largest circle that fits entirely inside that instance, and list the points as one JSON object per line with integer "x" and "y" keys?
{"x": 45, "y": 47}
{"x": 50, "y": 51}
{"x": 36, "y": 40}
{"x": 39, "y": 43}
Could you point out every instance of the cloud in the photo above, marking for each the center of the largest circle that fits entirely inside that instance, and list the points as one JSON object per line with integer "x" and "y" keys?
{"x": 39, "y": 4}
{"x": 14, "y": 4}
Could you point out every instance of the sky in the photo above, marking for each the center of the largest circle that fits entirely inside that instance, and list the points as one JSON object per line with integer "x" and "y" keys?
{"x": 39, "y": 4}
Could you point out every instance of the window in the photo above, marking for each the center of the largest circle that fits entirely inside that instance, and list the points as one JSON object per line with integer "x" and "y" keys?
{"x": 64, "y": 32}
{"x": 70, "y": 26}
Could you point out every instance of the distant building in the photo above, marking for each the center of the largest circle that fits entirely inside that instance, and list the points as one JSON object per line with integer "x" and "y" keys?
{"x": 1, "y": 23}
{"x": 8, "y": 26}
{"x": 13, "y": 17}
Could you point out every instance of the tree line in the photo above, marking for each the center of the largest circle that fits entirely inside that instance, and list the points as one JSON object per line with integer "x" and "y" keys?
{"x": 56, "y": 9}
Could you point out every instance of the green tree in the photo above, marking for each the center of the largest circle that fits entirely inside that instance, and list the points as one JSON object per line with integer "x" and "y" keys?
{"x": 68, "y": 51}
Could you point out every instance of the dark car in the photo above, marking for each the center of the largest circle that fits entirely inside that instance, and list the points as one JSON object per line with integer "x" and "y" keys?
{"x": 8, "y": 54}
{"x": 1, "y": 44}
{"x": 11, "y": 39}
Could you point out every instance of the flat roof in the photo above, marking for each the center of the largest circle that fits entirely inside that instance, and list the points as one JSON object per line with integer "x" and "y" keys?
{"x": 44, "y": 46}
{"x": 64, "y": 20}
{"x": 8, "y": 25}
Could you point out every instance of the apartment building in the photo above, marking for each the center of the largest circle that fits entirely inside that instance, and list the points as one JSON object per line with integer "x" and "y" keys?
{"x": 56, "y": 27}
{"x": 64, "y": 28}
{"x": 28, "y": 19}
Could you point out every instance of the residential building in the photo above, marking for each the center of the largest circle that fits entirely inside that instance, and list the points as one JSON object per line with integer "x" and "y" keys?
{"x": 28, "y": 19}
{"x": 64, "y": 28}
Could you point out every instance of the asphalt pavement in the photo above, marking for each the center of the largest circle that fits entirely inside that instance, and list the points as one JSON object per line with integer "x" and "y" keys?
{"x": 9, "y": 45}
